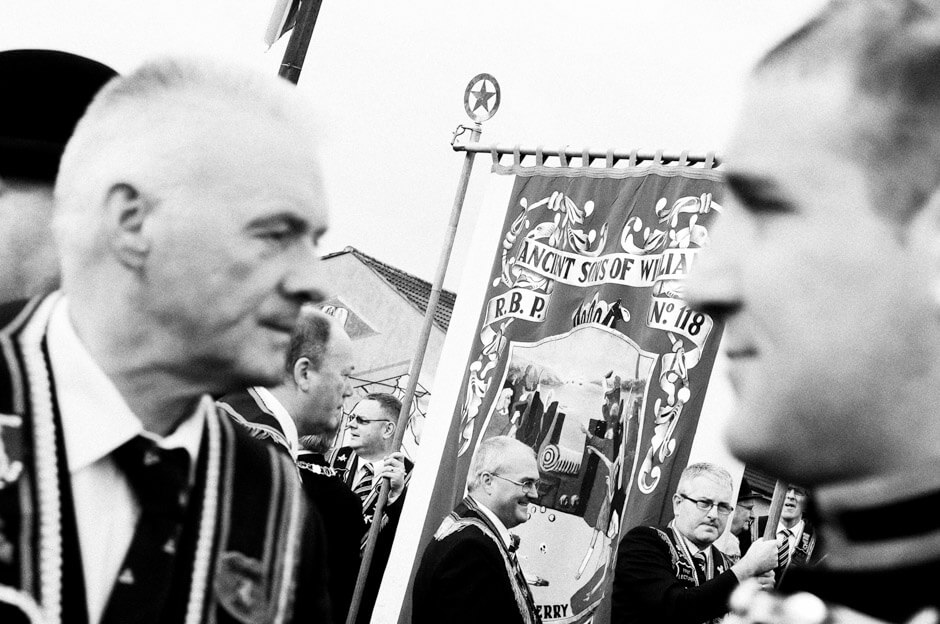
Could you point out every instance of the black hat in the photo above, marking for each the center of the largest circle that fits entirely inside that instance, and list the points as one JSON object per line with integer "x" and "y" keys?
{"x": 45, "y": 93}
{"x": 745, "y": 492}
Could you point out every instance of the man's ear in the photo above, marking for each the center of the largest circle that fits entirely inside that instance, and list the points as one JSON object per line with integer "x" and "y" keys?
{"x": 303, "y": 373}
{"x": 128, "y": 211}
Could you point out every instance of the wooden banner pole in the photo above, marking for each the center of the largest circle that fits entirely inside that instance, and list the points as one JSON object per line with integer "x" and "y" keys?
{"x": 414, "y": 371}
{"x": 776, "y": 508}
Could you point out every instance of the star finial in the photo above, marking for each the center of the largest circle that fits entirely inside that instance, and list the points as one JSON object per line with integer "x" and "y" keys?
{"x": 478, "y": 95}
{"x": 483, "y": 97}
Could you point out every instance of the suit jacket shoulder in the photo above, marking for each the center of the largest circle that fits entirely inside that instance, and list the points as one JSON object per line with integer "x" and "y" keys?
{"x": 248, "y": 410}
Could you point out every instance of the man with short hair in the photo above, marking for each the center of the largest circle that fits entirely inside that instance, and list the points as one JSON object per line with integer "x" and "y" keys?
{"x": 675, "y": 573}
{"x": 314, "y": 385}
{"x": 45, "y": 92}
{"x": 796, "y": 536}
{"x": 308, "y": 405}
{"x": 469, "y": 572}
{"x": 188, "y": 209}
{"x": 369, "y": 457}
{"x": 824, "y": 271}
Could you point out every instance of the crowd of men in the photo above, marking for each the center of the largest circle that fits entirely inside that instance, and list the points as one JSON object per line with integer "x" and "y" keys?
{"x": 170, "y": 396}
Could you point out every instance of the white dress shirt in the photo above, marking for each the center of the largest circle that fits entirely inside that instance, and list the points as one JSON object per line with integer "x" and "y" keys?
{"x": 95, "y": 421}
{"x": 795, "y": 534}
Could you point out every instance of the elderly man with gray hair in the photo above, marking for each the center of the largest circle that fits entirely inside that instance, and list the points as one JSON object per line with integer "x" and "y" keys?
{"x": 188, "y": 207}
{"x": 469, "y": 572}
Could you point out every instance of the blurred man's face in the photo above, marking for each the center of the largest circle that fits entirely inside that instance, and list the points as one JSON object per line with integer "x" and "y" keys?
{"x": 824, "y": 301}
{"x": 331, "y": 386}
{"x": 701, "y": 527}
{"x": 793, "y": 505}
{"x": 234, "y": 255}
{"x": 743, "y": 516}
{"x": 509, "y": 501}
{"x": 29, "y": 265}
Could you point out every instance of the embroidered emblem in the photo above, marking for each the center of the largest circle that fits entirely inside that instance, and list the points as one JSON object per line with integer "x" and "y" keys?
{"x": 242, "y": 588}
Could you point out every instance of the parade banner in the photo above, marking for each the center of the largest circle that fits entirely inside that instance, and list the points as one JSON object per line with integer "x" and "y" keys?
{"x": 585, "y": 350}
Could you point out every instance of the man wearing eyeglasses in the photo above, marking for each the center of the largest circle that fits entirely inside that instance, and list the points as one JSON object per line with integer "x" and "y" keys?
{"x": 368, "y": 457}
{"x": 469, "y": 572}
{"x": 675, "y": 573}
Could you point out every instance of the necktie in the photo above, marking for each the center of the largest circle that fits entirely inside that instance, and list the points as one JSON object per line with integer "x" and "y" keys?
{"x": 783, "y": 548}
{"x": 700, "y": 564}
{"x": 364, "y": 486}
{"x": 159, "y": 478}
{"x": 520, "y": 579}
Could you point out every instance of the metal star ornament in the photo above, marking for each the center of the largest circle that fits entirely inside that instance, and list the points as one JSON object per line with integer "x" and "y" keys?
{"x": 481, "y": 97}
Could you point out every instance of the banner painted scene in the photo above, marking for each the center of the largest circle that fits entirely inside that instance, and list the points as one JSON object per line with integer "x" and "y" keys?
{"x": 585, "y": 351}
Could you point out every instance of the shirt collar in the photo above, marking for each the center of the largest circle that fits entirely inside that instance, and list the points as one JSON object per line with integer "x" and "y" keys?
{"x": 283, "y": 418}
{"x": 796, "y": 529}
{"x": 500, "y": 527}
{"x": 95, "y": 417}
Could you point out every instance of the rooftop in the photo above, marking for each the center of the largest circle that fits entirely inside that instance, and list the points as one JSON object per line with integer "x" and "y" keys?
{"x": 414, "y": 289}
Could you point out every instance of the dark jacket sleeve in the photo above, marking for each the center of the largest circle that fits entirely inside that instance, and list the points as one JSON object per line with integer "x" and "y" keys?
{"x": 311, "y": 597}
{"x": 646, "y": 588}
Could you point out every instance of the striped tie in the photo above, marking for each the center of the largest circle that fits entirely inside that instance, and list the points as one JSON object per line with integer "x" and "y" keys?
{"x": 364, "y": 486}
{"x": 783, "y": 548}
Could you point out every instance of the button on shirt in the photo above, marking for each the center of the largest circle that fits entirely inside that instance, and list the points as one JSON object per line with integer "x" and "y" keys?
{"x": 95, "y": 421}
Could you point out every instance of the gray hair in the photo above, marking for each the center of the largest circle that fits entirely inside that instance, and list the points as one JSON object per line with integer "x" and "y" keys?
{"x": 491, "y": 456}
{"x": 889, "y": 51}
{"x": 705, "y": 469}
{"x": 156, "y": 127}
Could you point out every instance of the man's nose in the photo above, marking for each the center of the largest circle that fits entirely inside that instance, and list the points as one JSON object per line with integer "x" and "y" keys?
{"x": 713, "y": 284}
{"x": 304, "y": 279}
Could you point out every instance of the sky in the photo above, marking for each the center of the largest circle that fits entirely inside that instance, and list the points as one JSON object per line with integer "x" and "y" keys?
{"x": 386, "y": 79}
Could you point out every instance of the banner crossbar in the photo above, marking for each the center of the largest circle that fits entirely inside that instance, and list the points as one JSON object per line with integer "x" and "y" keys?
{"x": 587, "y": 155}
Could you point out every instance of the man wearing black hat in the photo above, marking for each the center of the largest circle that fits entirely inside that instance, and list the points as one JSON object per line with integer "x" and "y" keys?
{"x": 737, "y": 539}
{"x": 45, "y": 93}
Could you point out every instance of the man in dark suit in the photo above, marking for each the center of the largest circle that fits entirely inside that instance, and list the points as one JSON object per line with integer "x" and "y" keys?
{"x": 469, "y": 572}
{"x": 45, "y": 92}
{"x": 314, "y": 384}
{"x": 368, "y": 458}
{"x": 308, "y": 405}
{"x": 188, "y": 206}
{"x": 824, "y": 270}
{"x": 675, "y": 573}
{"x": 738, "y": 538}
{"x": 796, "y": 536}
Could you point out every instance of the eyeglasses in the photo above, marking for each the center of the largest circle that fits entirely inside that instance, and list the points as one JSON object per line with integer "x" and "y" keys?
{"x": 359, "y": 420}
{"x": 527, "y": 485}
{"x": 706, "y": 505}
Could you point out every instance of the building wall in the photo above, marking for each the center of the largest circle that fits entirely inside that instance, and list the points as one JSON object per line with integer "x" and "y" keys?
{"x": 397, "y": 324}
